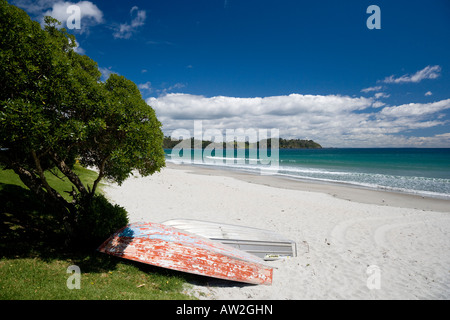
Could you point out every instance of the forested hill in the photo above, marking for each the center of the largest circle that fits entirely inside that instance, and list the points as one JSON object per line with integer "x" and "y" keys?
{"x": 298, "y": 144}
{"x": 283, "y": 144}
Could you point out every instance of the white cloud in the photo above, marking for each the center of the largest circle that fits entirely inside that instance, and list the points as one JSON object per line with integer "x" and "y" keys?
{"x": 78, "y": 49}
{"x": 379, "y": 95}
{"x": 161, "y": 90}
{"x": 126, "y": 30}
{"x": 428, "y": 93}
{"x": 165, "y": 89}
{"x": 429, "y": 72}
{"x": 378, "y": 104}
{"x": 106, "y": 72}
{"x": 35, "y": 7}
{"x": 186, "y": 106}
{"x": 376, "y": 88}
{"x": 416, "y": 109}
{"x": 338, "y": 121}
{"x": 145, "y": 86}
{"x": 90, "y": 14}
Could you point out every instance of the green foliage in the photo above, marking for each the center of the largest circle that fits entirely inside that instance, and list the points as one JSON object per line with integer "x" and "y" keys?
{"x": 98, "y": 219}
{"x": 54, "y": 110}
{"x": 298, "y": 144}
{"x": 127, "y": 132}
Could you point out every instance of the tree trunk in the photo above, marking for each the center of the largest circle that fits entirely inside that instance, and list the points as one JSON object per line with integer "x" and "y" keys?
{"x": 100, "y": 175}
{"x": 65, "y": 169}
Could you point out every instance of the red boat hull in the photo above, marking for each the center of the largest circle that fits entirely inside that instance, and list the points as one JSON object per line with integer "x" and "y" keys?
{"x": 171, "y": 248}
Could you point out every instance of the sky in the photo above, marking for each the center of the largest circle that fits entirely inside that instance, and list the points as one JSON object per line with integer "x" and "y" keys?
{"x": 331, "y": 71}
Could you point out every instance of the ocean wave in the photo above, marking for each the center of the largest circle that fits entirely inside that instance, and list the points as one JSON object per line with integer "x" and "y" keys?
{"x": 424, "y": 186}
{"x": 421, "y": 191}
{"x": 231, "y": 158}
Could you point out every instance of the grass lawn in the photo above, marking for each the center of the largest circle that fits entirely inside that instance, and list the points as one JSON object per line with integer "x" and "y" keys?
{"x": 34, "y": 261}
{"x": 101, "y": 277}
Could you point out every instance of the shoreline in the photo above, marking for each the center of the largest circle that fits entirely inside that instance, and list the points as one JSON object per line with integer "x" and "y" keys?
{"x": 339, "y": 190}
{"x": 341, "y": 241}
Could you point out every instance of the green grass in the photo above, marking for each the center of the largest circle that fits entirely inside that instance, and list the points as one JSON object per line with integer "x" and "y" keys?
{"x": 26, "y": 225}
{"x": 58, "y": 181}
{"x": 101, "y": 277}
{"x": 34, "y": 259}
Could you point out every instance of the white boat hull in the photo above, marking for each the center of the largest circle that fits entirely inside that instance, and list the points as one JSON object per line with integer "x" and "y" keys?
{"x": 265, "y": 244}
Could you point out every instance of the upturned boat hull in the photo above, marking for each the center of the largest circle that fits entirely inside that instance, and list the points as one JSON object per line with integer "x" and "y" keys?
{"x": 265, "y": 244}
{"x": 171, "y": 248}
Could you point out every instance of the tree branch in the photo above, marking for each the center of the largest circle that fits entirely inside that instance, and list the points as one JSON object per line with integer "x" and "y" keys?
{"x": 64, "y": 168}
{"x": 30, "y": 181}
{"x": 100, "y": 175}
{"x": 42, "y": 176}
{"x": 36, "y": 186}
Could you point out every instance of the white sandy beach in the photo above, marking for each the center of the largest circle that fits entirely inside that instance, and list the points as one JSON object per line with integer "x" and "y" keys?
{"x": 339, "y": 231}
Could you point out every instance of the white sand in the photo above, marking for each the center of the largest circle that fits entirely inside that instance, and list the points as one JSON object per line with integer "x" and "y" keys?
{"x": 337, "y": 239}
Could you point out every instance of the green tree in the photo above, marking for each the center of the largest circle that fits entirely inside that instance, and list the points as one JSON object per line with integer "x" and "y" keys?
{"x": 54, "y": 110}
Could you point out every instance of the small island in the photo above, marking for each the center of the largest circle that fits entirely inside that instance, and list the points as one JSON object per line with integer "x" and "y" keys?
{"x": 168, "y": 143}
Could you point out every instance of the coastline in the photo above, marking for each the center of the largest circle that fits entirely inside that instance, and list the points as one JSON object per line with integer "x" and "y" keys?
{"x": 340, "y": 190}
{"x": 342, "y": 233}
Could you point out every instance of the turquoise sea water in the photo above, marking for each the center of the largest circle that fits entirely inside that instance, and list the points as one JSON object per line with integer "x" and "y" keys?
{"x": 419, "y": 171}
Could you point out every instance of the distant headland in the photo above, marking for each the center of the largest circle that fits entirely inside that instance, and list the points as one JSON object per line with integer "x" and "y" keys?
{"x": 168, "y": 143}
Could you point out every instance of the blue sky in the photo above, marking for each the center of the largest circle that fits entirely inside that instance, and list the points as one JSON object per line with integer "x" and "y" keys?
{"x": 309, "y": 68}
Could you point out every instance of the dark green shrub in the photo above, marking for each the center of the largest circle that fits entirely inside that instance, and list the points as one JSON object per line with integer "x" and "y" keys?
{"x": 97, "y": 220}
